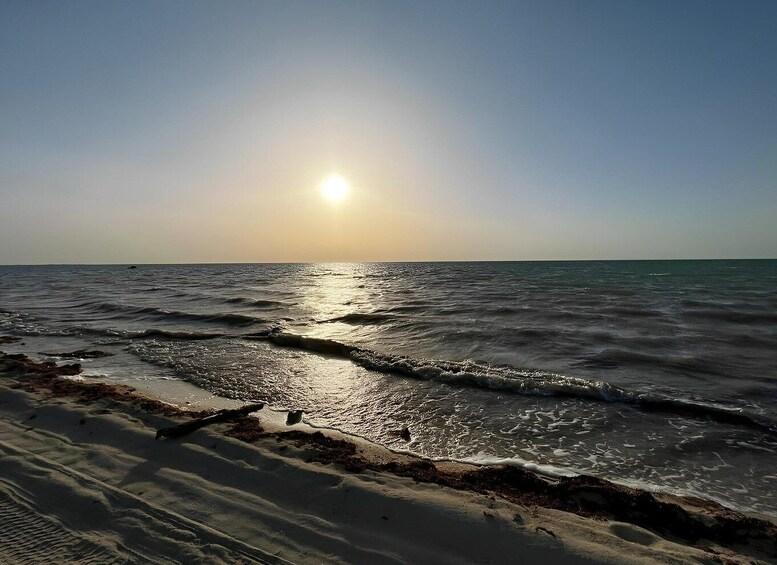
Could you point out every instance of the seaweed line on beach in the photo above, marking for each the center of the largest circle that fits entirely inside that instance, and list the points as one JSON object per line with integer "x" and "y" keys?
{"x": 693, "y": 521}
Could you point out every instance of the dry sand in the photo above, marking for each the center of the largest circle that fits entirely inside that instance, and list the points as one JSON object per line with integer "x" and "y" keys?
{"x": 83, "y": 479}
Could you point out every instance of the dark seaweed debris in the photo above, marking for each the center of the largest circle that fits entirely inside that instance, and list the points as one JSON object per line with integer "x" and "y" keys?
{"x": 582, "y": 495}
{"x": 47, "y": 377}
{"x": 697, "y": 523}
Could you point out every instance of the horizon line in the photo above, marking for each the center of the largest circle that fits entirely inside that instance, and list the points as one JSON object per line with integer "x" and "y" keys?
{"x": 386, "y": 262}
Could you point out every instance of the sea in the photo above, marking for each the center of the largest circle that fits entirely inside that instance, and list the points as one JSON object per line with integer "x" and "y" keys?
{"x": 657, "y": 374}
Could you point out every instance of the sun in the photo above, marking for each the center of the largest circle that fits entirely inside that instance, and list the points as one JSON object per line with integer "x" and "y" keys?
{"x": 334, "y": 188}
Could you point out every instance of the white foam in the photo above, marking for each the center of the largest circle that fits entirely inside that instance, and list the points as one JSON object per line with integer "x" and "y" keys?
{"x": 540, "y": 469}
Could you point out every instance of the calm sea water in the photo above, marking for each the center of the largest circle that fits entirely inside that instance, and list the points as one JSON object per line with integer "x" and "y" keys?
{"x": 656, "y": 373}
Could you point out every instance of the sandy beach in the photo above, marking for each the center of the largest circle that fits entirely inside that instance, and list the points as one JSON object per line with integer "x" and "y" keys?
{"x": 84, "y": 480}
{"x": 374, "y": 283}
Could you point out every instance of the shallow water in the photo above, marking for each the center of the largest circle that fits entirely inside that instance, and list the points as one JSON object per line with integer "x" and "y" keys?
{"x": 658, "y": 373}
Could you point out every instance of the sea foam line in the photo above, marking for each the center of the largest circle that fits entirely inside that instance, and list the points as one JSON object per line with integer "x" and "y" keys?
{"x": 510, "y": 379}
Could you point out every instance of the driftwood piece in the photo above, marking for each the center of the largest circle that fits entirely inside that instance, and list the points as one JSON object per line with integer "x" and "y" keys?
{"x": 221, "y": 416}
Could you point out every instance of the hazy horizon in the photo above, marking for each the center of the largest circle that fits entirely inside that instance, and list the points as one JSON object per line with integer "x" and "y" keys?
{"x": 201, "y": 132}
{"x": 390, "y": 262}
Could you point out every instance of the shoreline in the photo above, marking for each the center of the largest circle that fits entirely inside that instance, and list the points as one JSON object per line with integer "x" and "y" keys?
{"x": 187, "y": 395}
{"x": 596, "y": 384}
{"x": 575, "y": 517}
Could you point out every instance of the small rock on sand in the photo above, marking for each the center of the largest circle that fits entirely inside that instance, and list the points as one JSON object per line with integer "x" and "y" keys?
{"x": 294, "y": 417}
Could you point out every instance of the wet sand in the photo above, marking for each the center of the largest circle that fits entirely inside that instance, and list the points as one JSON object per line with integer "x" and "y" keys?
{"x": 84, "y": 479}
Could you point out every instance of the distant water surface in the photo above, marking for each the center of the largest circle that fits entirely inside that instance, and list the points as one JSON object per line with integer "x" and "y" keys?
{"x": 656, "y": 373}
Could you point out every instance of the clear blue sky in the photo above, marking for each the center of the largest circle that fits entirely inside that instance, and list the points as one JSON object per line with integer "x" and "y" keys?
{"x": 200, "y": 131}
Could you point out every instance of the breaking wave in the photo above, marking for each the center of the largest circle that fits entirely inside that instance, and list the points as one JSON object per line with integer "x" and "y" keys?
{"x": 512, "y": 380}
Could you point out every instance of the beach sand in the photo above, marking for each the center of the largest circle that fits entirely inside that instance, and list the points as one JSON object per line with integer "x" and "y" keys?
{"x": 84, "y": 480}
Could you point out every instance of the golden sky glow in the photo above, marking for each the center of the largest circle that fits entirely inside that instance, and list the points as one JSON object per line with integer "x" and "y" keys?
{"x": 220, "y": 146}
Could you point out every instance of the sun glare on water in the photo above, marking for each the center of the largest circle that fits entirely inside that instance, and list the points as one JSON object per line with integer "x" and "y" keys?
{"x": 334, "y": 188}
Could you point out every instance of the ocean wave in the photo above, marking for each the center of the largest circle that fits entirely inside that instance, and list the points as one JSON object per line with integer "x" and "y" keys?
{"x": 409, "y": 308}
{"x": 733, "y": 316}
{"x": 168, "y": 334}
{"x": 256, "y": 302}
{"x": 633, "y": 312}
{"x": 363, "y": 318}
{"x": 153, "y": 312}
{"x": 513, "y": 380}
{"x": 614, "y": 357}
{"x": 121, "y": 334}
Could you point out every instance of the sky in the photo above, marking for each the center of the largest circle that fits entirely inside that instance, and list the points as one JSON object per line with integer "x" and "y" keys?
{"x": 185, "y": 132}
